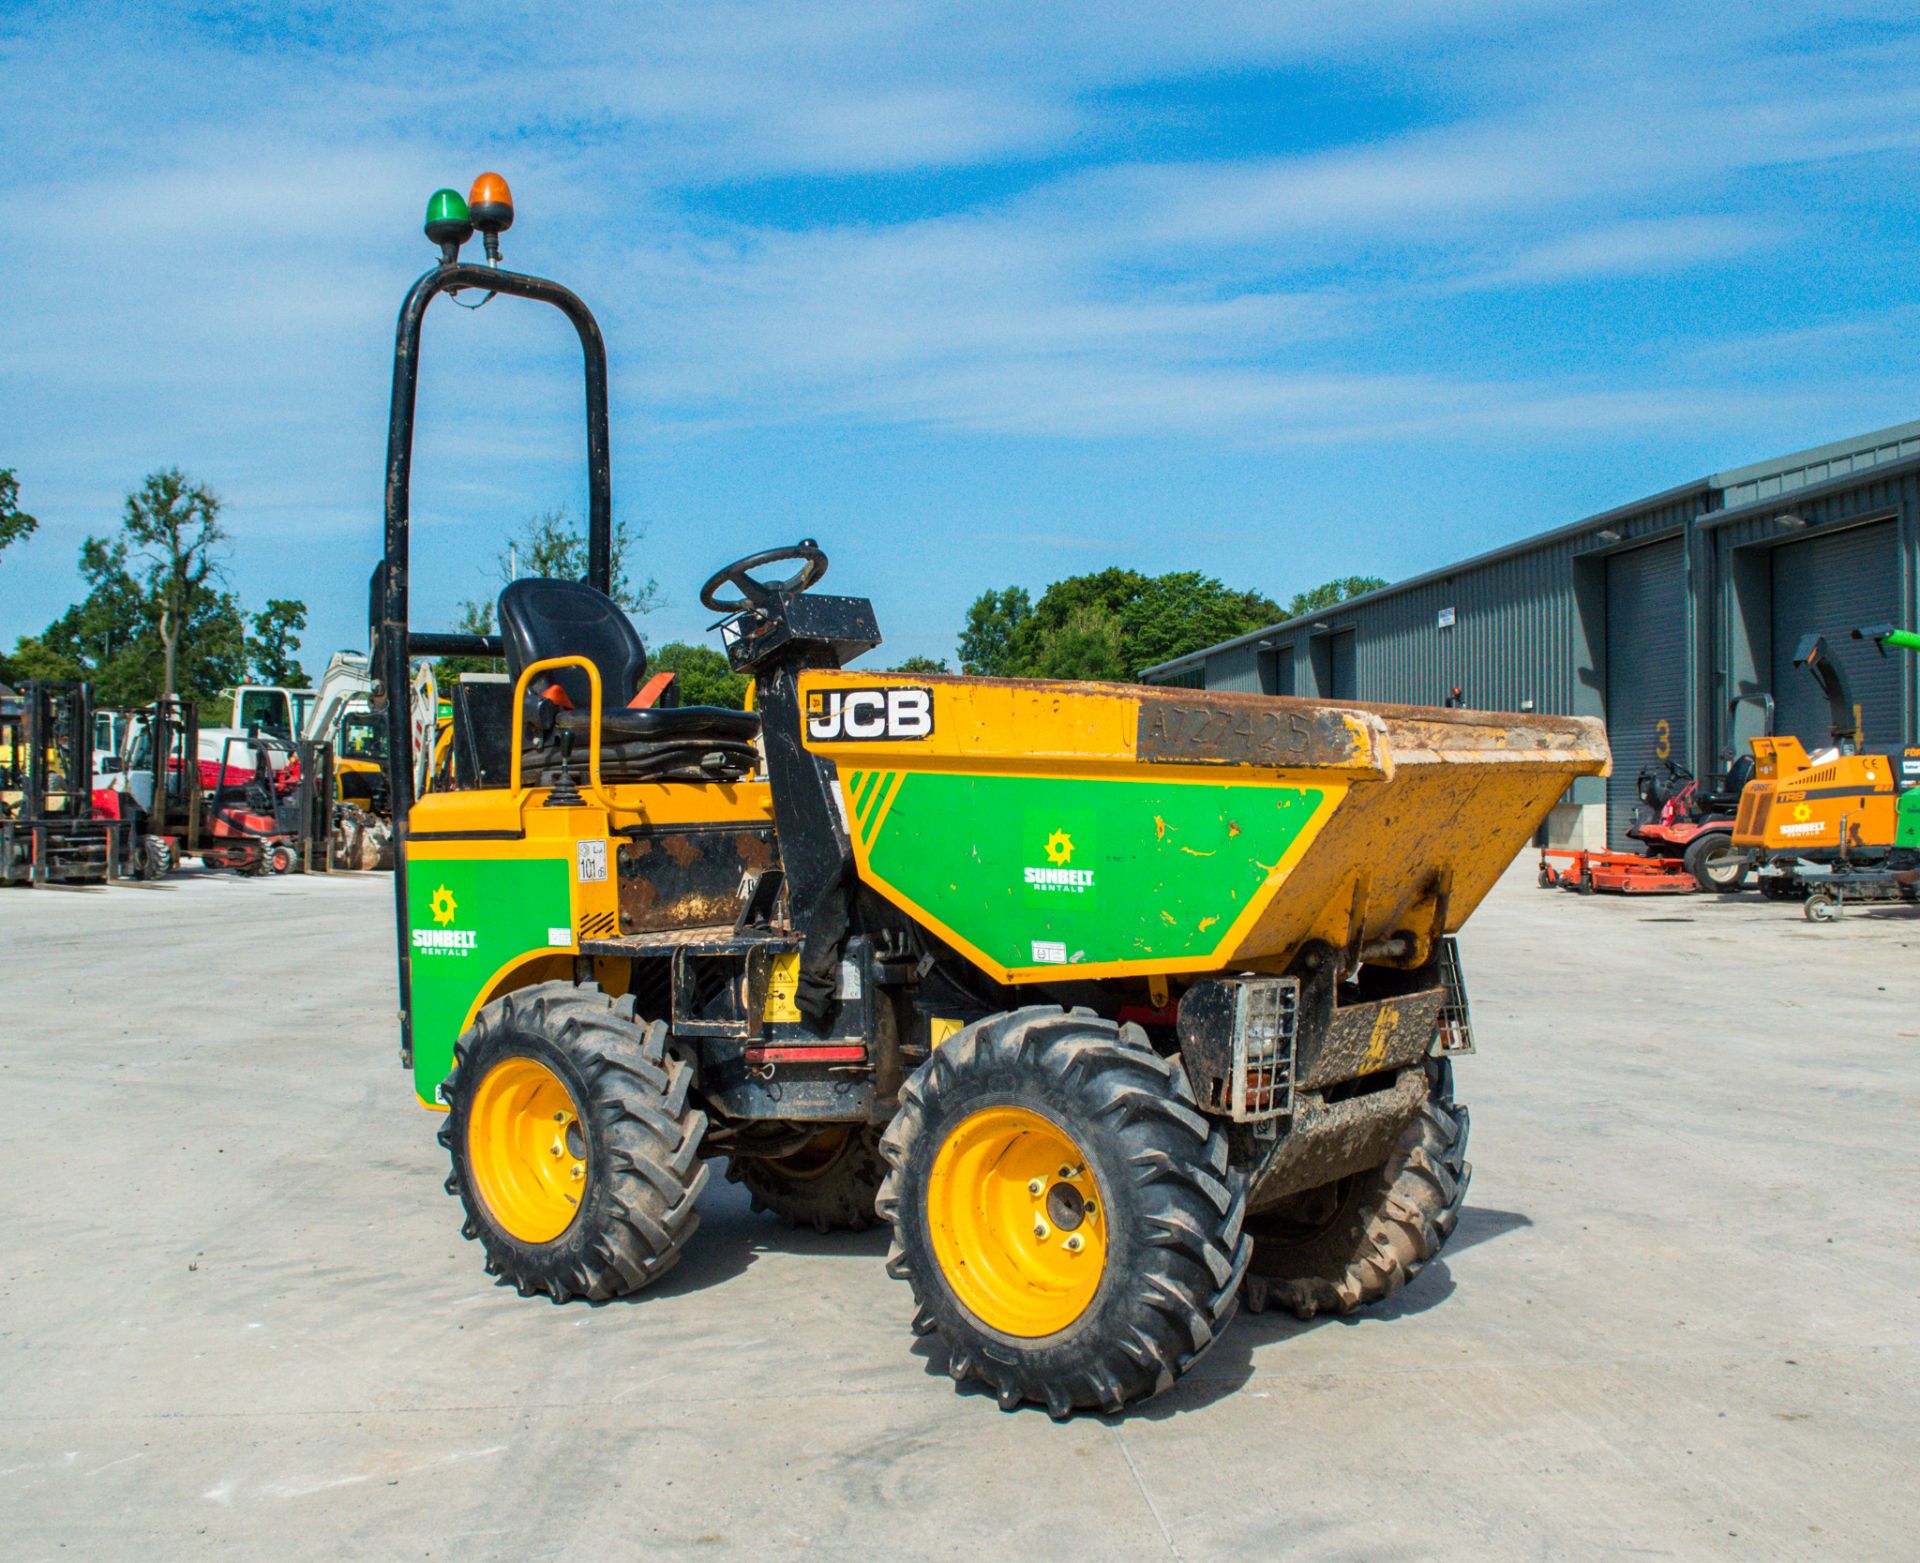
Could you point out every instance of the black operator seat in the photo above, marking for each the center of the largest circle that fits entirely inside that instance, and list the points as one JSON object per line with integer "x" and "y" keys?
{"x": 547, "y": 618}
{"x": 1727, "y": 799}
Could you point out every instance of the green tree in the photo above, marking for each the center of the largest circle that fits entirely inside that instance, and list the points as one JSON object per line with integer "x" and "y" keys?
{"x": 702, "y": 674}
{"x": 922, "y": 665}
{"x": 174, "y": 528}
{"x": 1329, "y": 594}
{"x": 213, "y": 650}
{"x": 1107, "y": 625}
{"x": 15, "y": 523}
{"x": 32, "y": 657}
{"x": 988, "y": 643}
{"x": 276, "y": 637}
{"x": 1088, "y": 642}
{"x": 111, "y": 637}
{"x": 107, "y": 636}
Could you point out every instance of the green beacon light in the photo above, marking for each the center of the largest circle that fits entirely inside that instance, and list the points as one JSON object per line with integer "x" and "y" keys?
{"x": 449, "y": 224}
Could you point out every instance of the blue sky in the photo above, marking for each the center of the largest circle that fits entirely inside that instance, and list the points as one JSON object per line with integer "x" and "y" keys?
{"x": 976, "y": 294}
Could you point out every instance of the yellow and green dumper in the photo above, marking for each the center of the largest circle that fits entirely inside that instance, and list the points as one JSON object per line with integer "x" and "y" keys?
{"x": 1116, "y": 1005}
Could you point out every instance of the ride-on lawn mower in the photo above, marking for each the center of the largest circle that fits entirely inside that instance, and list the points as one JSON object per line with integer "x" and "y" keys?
{"x": 1108, "y": 1000}
{"x": 1691, "y": 825}
{"x": 1685, "y": 833}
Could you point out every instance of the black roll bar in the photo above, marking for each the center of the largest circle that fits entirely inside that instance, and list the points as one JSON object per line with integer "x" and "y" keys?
{"x": 393, "y": 641}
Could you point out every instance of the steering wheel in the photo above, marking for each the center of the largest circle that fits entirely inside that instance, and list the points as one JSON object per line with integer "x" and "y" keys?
{"x": 755, "y": 593}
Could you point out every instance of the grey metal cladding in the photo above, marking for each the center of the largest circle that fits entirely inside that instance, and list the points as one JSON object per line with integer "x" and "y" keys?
{"x": 1830, "y": 584}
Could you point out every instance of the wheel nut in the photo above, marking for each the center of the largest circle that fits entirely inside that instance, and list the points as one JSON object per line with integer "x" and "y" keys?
{"x": 558, "y": 1147}
{"x": 1075, "y": 1242}
{"x": 559, "y": 1117}
{"x": 1041, "y": 1230}
{"x": 1036, "y": 1187}
{"x": 579, "y": 1171}
{"x": 1068, "y": 1174}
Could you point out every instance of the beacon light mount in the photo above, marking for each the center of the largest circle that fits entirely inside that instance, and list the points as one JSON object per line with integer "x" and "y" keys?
{"x": 451, "y": 221}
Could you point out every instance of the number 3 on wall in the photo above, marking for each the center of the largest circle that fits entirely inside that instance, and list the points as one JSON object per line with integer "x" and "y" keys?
{"x": 1663, "y": 740}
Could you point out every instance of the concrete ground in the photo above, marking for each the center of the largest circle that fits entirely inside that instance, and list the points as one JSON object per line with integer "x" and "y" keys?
{"x": 237, "y": 1317}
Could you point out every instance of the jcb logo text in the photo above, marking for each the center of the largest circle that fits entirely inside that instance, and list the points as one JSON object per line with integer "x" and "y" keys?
{"x": 869, "y": 715}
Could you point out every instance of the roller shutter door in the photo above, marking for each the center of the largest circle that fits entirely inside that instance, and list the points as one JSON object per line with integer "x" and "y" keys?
{"x": 1831, "y": 585}
{"x": 1646, "y": 672}
{"x": 1340, "y": 666}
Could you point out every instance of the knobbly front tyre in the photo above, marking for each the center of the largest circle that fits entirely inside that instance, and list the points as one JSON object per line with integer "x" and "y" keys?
{"x": 829, "y": 1183}
{"x": 574, "y": 1149}
{"x": 1064, "y": 1214}
{"x": 1359, "y": 1239}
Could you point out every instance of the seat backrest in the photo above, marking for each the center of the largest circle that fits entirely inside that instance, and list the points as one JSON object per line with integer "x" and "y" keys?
{"x": 546, "y": 618}
{"x": 1739, "y": 774}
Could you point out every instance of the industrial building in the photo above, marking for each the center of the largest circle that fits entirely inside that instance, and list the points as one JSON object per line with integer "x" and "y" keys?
{"x": 1659, "y": 616}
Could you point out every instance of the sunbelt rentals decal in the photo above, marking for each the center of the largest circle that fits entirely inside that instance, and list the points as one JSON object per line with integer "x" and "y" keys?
{"x": 1055, "y": 876}
{"x": 443, "y": 940}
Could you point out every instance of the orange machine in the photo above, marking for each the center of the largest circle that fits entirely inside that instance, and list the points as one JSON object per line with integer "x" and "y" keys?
{"x": 1839, "y": 804}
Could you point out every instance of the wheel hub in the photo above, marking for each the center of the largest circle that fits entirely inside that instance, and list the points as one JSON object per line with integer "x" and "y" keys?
{"x": 1016, "y": 1220}
{"x": 1066, "y": 1206}
{"x": 527, "y": 1149}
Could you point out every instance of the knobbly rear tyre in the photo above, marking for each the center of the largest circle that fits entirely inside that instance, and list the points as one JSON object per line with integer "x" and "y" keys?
{"x": 1360, "y": 1239}
{"x": 828, "y": 1184}
{"x": 1172, "y": 1251}
{"x": 639, "y": 1141}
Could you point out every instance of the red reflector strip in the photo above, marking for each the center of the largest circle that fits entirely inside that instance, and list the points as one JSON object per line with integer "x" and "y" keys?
{"x": 807, "y": 1055}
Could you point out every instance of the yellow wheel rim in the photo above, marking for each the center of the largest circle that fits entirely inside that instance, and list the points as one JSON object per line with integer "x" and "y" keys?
{"x": 1018, "y": 1220}
{"x": 527, "y": 1149}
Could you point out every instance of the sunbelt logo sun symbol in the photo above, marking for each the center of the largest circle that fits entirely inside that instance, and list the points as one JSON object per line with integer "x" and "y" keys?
{"x": 1060, "y": 849}
{"x": 444, "y": 906}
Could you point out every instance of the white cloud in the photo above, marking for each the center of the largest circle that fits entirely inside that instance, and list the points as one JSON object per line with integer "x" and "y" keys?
{"x": 1636, "y": 247}
{"x": 211, "y": 222}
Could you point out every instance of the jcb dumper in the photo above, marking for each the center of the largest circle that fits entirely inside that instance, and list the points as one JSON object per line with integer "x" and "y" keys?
{"x": 1116, "y": 1004}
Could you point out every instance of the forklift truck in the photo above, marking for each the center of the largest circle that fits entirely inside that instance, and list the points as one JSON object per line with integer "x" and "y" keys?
{"x": 50, "y": 832}
{"x": 237, "y": 811}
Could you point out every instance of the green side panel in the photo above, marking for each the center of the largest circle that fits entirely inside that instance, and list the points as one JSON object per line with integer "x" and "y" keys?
{"x": 467, "y": 919}
{"x": 1906, "y": 825}
{"x": 1039, "y": 871}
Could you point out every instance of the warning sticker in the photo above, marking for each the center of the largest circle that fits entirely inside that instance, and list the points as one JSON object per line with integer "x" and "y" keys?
{"x": 783, "y": 982}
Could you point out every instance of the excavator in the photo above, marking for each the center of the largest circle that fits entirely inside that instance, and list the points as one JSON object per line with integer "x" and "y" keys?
{"x": 341, "y": 713}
